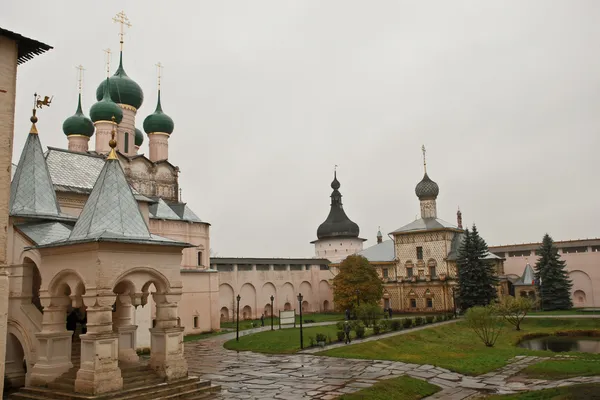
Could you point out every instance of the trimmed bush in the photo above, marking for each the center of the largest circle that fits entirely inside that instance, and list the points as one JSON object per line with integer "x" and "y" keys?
{"x": 439, "y": 318}
{"x": 407, "y": 323}
{"x": 376, "y": 329}
{"x": 321, "y": 337}
{"x": 340, "y": 326}
{"x": 311, "y": 341}
{"x": 341, "y": 335}
{"x": 396, "y": 325}
{"x": 360, "y": 330}
{"x": 385, "y": 325}
{"x": 429, "y": 319}
{"x": 418, "y": 321}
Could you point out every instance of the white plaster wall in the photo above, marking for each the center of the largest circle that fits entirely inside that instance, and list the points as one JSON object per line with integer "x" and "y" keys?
{"x": 336, "y": 250}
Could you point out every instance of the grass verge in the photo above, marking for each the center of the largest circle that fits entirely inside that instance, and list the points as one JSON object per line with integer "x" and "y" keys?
{"x": 199, "y": 336}
{"x": 403, "y": 387}
{"x": 562, "y": 369}
{"x": 456, "y": 347}
{"x": 280, "y": 340}
{"x": 575, "y": 392}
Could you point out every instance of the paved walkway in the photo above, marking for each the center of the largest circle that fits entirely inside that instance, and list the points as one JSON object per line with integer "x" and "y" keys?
{"x": 248, "y": 375}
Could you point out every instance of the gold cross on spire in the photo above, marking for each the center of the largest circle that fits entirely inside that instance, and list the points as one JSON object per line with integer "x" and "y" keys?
{"x": 424, "y": 159}
{"x": 122, "y": 19}
{"x": 159, "y": 66}
{"x": 107, "y": 51}
{"x": 112, "y": 155}
{"x": 80, "y": 76}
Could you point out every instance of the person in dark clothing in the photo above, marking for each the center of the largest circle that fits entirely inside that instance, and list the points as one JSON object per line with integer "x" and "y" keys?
{"x": 390, "y": 312}
{"x": 347, "y": 332}
{"x": 262, "y": 319}
{"x": 347, "y": 314}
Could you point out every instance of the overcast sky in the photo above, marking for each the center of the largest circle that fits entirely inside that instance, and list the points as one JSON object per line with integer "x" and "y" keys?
{"x": 267, "y": 96}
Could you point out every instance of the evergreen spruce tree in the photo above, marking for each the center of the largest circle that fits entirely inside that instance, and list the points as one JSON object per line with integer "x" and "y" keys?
{"x": 552, "y": 279}
{"x": 477, "y": 279}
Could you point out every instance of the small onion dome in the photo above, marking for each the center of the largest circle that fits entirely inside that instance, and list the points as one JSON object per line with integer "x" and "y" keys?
{"x": 335, "y": 184}
{"x": 105, "y": 109}
{"x": 123, "y": 89}
{"x": 427, "y": 189}
{"x": 158, "y": 121}
{"x": 337, "y": 224}
{"x": 78, "y": 124}
{"x": 139, "y": 137}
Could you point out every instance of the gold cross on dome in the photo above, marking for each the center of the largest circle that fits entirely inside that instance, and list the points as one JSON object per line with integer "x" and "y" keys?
{"x": 108, "y": 52}
{"x": 159, "y": 66}
{"x": 122, "y": 19}
{"x": 80, "y": 76}
{"x": 424, "y": 160}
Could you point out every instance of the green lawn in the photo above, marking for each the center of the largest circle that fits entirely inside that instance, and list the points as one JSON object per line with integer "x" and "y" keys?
{"x": 575, "y": 392}
{"x": 562, "y": 369}
{"x": 316, "y": 317}
{"x": 456, "y": 347}
{"x": 573, "y": 311}
{"x": 403, "y": 387}
{"x": 280, "y": 340}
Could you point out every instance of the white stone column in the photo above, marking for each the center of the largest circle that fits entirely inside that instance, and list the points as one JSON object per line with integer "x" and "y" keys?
{"x": 166, "y": 352}
{"x": 78, "y": 143}
{"x": 124, "y": 326}
{"x": 99, "y": 371}
{"x": 54, "y": 356}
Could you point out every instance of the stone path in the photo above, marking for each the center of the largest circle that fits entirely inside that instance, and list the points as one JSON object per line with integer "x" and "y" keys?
{"x": 248, "y": 375}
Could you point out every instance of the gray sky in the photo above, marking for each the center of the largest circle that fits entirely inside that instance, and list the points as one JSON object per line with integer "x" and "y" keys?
{"x": 268, "y": 95}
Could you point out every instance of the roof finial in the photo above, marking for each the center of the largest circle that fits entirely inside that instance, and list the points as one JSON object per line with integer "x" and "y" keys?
{"x": 159, "y": 66}
{"x": 37, "y": 103}
{"x": 459, "y": 218}
{"x": 107, "y": 51}
{"x": 112, "y": 142}
{"x": 424, "y": 159}
{"x": 122, "y": 19}
{"x": 80, "y": 76}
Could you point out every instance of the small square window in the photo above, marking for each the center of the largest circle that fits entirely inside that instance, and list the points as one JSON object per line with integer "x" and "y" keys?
{"x": 386, "y": 273}
{"x": 429, "y": 302}
{"x": 413, "y": 303}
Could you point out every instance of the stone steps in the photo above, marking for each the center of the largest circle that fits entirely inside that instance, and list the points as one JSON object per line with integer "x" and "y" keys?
{"x": 190, "y": 388}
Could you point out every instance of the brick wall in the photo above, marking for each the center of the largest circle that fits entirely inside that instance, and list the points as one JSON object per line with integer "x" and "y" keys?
{"x": 8, "y": 86}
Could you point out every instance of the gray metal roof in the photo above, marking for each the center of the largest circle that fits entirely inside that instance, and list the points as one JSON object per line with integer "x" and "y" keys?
{"x": 12, "y": 171}
{"x": 184, "y": 212}
{"x": 527, "y": 278}
{"x": 161, "y": 210}
{"x": 74, "y": 170}
{"x": 31, "y": 190}
{"x": 42, "y": 233}
{"x": 425, "y": 224}
{"x": 111, "y": 211}
{"x": 383, "y": 251}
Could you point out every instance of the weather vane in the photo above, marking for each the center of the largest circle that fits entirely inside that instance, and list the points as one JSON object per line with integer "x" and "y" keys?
{"x": 424, "y": 160}
{"x": 80, "y": 76}
{"x": 159, "y": 66}
{"x": 122, "y": 19}
{"x": 38, "y": 103}
{"x": 108, "y": 52}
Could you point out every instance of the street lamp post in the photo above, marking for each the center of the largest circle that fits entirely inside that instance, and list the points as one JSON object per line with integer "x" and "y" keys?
{"x": 237, "y": 326}
{"x": 272, "y": 298}
{"x": 454, "y": 300}
{"x": 300, "y": 303}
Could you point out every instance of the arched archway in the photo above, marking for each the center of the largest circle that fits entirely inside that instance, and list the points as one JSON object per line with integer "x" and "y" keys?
{"x": 248, "y": 299}
{"x": 33, "y": 281}
{"x": 579, "y": 298}
{"x": 286, "y": 294}
{"x": 15, "y": 363}
{"x": 224, "y": 314}
{"x": 227, "y": 298}
{"x": 307, "y": 293}
{"x": 325, "y": 294}
{"x": 582, "y": 282}
{"x": 305, "y": 307}
{"x": 268, "y": 290}
{"x": 326, "y": 306}
{"x": 287, "y": 307}
{"x": 247, "y": 312}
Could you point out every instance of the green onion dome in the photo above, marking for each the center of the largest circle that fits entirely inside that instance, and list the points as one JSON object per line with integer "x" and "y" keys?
{"x": 159, "y": 121}
{"x": 123, "y": 89}
{"x": 78, "y": 124}
{"x": 139, "y": 137}
{"x": 105, "y": 108}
